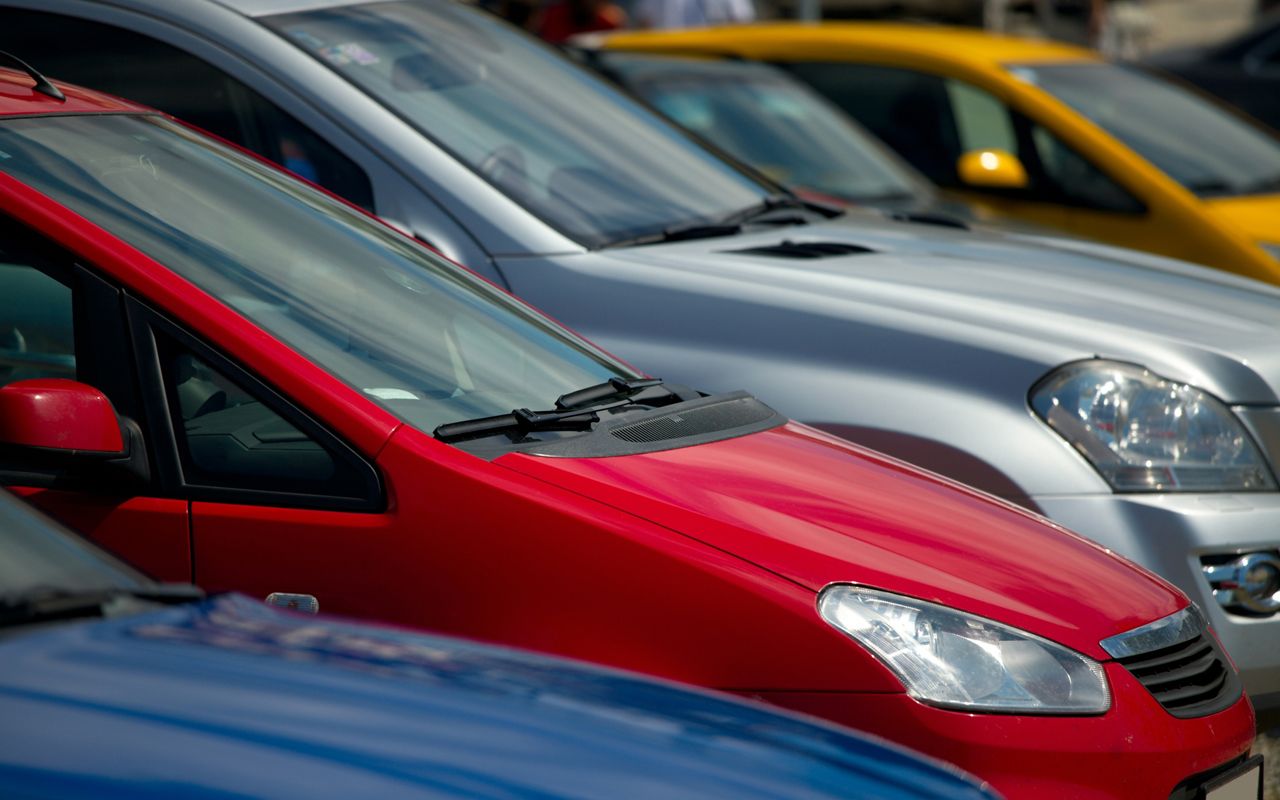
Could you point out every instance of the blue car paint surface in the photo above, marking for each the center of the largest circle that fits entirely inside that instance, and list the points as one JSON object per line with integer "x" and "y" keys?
{"x": 228, "y": 697}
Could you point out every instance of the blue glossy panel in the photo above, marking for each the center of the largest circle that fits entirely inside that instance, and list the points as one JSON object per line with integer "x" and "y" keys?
{"x": 229, "y": 697}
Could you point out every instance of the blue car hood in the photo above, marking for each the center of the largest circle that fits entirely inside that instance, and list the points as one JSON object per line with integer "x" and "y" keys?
{"x": 229, "y": 697}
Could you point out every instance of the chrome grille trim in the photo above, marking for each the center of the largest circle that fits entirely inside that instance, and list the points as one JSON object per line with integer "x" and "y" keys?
{"x": 1173, "y": 629}
{"x": 1180, "y": 663}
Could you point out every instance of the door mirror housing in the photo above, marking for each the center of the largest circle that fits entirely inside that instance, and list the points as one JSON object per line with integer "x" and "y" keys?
{"x": 71, "y": 432}
{"x": 992, "y": 169}
{"x": 60, "y": 416}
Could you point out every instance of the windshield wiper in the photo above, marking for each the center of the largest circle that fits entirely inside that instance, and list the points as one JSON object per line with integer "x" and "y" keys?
{"x": 1211, "y": 186}
{"x": 1263, "y": 186}
{"x": 49, "y": 604}
{"x": 680, "y": 233}
{"x": 523, "y": 420}
{"x": 574, "y": 411}
{"x": 764, "y": 211}
{"x": 614, "y": 387}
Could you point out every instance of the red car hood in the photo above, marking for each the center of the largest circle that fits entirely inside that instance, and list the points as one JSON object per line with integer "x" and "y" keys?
{"x": 815, "y": 509}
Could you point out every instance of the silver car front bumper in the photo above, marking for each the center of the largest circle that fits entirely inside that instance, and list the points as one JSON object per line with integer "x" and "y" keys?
{"x": 1168, "y": 534}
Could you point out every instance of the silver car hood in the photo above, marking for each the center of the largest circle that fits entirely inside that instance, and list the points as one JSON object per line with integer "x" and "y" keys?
{"x": 1035, "y": 299}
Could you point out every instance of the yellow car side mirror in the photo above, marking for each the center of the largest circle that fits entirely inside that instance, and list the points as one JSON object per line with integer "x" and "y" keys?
{"x": 992, "y": 169}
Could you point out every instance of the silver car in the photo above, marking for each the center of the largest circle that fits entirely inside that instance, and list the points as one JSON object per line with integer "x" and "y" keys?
{"x": 1133, "y": 399}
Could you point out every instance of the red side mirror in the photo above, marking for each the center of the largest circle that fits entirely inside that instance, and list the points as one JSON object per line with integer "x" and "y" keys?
{"x": 60, "y": 415}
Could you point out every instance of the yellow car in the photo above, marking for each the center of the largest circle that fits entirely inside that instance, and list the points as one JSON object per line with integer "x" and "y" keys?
{"x": 1042, "y": 132}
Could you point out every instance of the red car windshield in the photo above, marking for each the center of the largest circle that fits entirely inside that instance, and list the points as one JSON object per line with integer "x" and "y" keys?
{"x": 429, "y": 341}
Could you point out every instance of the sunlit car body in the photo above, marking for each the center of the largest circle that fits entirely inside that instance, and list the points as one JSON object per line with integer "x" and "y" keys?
{"x": 259, "y": 366}
{"x": 1106, "y": 151}
{"x": 105, "y": 692}
{"x": 922, "y": 341}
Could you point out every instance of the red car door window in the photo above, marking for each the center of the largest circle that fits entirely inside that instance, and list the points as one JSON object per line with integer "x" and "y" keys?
{"x": 59, "y": 320}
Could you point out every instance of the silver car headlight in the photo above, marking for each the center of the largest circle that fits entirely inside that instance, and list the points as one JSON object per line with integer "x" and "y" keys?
{"x": 1272, "y": 249}
{"x": 956, "y": 660}
{"x": 1144, "y": 433}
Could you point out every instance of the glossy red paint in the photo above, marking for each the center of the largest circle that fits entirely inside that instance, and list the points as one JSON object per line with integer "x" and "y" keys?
{"x": 1134, "y": 750}
{"x": 473, "y": 549}
{"x": 843, "y": 513}
{"x": 58, "y": 414}
{"x": 699, "y": 564}
{"x": 151, "y": 532}
{"x": 18, "y": 97}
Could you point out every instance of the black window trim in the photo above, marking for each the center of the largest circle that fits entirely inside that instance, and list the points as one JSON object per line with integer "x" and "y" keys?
{"x": 144, "y": 322}
{"x": 104, "y": 357}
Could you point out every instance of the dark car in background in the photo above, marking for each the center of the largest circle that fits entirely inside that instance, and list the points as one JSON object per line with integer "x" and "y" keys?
{"x": 1244, "y": 70}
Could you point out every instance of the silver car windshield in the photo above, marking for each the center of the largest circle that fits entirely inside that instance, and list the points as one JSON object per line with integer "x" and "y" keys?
{"x": 562, "y": 143}
{"x": 772, "y": 122}
{"x": 425, "y": 339}
{"x": 1200, "y": 145}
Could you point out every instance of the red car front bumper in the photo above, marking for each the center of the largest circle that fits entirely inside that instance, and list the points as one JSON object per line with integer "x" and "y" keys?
{"x": 1136, "y": 751}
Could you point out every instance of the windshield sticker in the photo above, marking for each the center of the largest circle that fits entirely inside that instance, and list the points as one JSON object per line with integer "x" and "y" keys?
{"x": 386, "y": 393}
{"x": 348, "y": 53}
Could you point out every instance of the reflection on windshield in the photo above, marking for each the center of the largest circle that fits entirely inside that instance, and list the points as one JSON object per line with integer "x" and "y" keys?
{"x": 549, "y": 135}
{"x": 770, "y": 121}
{"x": 1195, "y": 142}
{"x": 426, "y": 340}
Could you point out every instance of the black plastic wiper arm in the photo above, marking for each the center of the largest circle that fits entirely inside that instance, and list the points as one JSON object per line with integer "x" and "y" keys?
{"x": 680, "y": 233}
{"x": 522, "y": 419}
{"x": 782, "y": 202}
{"x": 1265, "y": 185}
{"x": 613, "y": 387}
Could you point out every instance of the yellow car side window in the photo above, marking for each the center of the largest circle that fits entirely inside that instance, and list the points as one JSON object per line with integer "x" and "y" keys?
{"x": 982, "y": 121}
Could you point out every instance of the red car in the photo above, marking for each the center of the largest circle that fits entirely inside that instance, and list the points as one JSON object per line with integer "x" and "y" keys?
{"x": 231, "y": 377}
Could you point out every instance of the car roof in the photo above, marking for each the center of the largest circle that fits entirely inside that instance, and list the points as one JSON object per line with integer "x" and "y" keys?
{"x": 18, "y": 97}
{"x": 808, "y": 41}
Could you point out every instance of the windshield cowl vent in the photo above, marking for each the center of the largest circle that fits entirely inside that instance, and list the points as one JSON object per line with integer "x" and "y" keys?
{"x": 804, "y": 250}
{"x": 695, "y": 422}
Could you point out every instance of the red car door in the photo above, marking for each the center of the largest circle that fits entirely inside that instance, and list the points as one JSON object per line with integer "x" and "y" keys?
{"x": 279, "y": 501}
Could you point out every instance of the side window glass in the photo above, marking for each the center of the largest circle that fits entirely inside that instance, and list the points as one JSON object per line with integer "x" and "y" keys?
{"x": 37, "y": 335}
{"x": 982, "y": 121}
{"x": 910, "y": 111}
{"x": 1074, "y": 180}
{"x": 148, "y": 71}
{"x": 228, "y": 438}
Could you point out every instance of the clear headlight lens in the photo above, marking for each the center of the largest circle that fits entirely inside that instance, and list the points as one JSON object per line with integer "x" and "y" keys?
{"x": 1147, "y": 434}
{"x": 949, "y": 658}
{"x": 1272, "y": 249}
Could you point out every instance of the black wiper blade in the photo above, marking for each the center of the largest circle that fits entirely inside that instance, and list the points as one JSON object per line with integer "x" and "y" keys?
{"x": 1263, "y": 186}
{"x": 613, "y": 387}
{"x": 762, "y": 212}
{"x": 522, "y": 419}
{"x": 680, "y": 233}
{"x": 1211, "y": 186}
{"x": 782, "y": 202}
{"x": 49, "y": 604}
